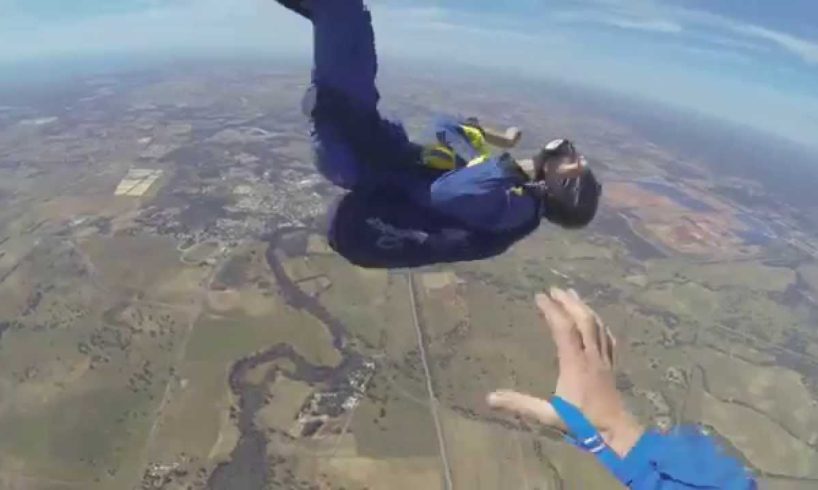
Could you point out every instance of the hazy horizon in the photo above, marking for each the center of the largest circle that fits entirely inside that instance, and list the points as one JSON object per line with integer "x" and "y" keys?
{"x": 751, "y": 63}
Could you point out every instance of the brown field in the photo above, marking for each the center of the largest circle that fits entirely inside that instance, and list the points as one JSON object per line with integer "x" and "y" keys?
{"x": 767, "y": 447}
{"x": 774, "y": 391}
{"x": 116, "y": 345}
{"x": 624, "y": 195}
{"x": 510, "y": 459}
{"x": 131, "y": 265}
{"x": 287, "y": 398}
{"x": 696, "y": 233}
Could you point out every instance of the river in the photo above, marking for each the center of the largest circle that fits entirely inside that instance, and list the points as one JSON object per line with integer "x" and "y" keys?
{"x": 248, "y": 467}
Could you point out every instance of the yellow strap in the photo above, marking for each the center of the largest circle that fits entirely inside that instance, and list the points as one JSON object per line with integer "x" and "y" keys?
{"x": 477, "y": 139}
{"x": 442, "y": 157}
{"x": 439, "y": 157}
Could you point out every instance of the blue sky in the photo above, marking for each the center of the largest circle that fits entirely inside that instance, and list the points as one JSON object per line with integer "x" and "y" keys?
{"x": 750, "y": 61}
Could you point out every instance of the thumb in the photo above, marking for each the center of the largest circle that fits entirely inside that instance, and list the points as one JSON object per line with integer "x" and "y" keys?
{"x": 525, "y": 406}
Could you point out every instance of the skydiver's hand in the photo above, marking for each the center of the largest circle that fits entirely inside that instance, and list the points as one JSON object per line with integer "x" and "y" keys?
{"x": 585, "y": 348}
{"x": 507, "y": 139}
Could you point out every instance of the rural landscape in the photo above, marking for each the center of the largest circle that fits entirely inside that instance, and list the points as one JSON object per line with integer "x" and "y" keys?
{"x": 172, "y": 316}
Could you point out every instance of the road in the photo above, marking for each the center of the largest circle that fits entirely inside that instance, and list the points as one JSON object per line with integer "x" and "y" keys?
{"x": 433, "y": 403}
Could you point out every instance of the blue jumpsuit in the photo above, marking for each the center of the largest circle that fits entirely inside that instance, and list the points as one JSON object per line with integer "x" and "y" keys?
{"x": 359, "y": 150}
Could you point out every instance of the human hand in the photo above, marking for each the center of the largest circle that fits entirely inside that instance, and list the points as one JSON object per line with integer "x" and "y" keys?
{"x": 503, "y": 139}
{"x": 585, "y": 350}
{"x": 514, "y": 135}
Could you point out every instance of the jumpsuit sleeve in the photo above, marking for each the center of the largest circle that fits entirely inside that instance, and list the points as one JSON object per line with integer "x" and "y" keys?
{"x": 683, "y": 459}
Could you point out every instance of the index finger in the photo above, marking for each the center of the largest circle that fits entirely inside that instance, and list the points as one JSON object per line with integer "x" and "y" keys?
{"x": 563, "y": 331}
{"x": 584, "y": 318}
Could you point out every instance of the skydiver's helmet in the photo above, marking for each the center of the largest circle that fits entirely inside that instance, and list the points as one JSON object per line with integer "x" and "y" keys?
{"x": 570, "y": 202}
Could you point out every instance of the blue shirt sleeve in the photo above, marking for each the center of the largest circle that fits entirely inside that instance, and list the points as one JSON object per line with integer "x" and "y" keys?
{"x": 486, "y": 197}
{"x": 683, "y": 459}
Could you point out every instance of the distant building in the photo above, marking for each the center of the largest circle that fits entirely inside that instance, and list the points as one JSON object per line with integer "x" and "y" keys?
{"x": 138, "y": 182}
{"x": 317, "y": 416}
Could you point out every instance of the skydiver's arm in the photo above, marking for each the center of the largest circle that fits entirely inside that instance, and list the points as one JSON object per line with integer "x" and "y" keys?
{"x": 506, "y": 139}
{"x": 470, "y": 142}
{"x": 588, "y": 406}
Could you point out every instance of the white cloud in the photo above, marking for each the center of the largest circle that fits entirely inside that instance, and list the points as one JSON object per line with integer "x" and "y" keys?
{"x": 496, "y": 33}
{"x": 733, "y": 43}
{"x": 807, "y": 50}
{"x": 655, "y": 16}
{"x": 654, "y": 25}
{"x": 651, "y": 24}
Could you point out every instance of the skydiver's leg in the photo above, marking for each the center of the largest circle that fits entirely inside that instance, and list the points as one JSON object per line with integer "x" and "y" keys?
{"x": 346, "y": 62}
{"x": 353, "y": 143}
{"x": 300, "y": 7}
{"x": 344, "y": 71}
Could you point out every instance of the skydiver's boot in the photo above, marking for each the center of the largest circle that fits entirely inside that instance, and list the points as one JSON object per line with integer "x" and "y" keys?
{"x": 301, "y": 7}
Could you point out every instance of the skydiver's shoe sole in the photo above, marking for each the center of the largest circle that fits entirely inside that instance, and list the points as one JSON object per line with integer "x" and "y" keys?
{"x": 298, "y": 6}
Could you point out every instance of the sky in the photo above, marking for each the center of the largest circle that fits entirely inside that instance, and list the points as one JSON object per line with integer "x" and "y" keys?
{"x": 749, "y": 61}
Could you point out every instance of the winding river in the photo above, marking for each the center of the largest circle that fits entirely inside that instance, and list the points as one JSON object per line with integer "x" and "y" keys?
{"x": 248, "y": 467}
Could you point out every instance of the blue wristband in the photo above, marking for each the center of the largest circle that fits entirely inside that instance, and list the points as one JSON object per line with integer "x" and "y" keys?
{"x": 585, "y": 436}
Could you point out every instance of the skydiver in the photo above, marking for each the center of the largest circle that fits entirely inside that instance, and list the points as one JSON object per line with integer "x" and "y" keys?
{"x": 449, "y": 201}
{"x": 488, "y": 197}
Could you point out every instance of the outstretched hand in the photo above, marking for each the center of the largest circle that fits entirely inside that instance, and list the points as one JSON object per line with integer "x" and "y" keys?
{"x": 503, "y": 139}
{"x": 585, "y": 348}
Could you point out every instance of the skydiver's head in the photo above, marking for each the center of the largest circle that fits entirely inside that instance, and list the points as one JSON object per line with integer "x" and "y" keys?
{"x": 570, "y": 190}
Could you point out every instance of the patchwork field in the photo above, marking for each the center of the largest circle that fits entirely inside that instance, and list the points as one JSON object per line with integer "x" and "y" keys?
{"x": 204, "y": 335}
